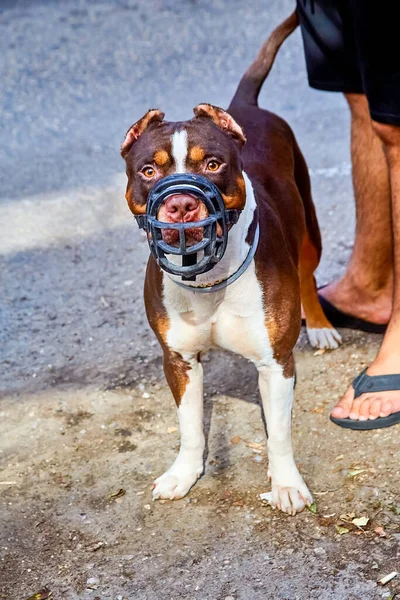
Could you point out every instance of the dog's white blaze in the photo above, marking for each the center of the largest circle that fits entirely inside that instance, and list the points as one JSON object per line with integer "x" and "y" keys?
{"x": 233, "y": 319}
{"x": 179, "y": 142}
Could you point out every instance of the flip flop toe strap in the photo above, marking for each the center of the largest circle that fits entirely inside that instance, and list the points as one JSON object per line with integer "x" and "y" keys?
{"x": 364, "y": 384}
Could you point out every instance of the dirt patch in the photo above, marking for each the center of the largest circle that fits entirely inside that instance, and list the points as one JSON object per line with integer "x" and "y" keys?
{"x": 66, "y": 524}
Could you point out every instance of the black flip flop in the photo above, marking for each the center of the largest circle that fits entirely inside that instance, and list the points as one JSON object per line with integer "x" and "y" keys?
{"x": 340, "y": 319}
{"x": 364, "y": 383}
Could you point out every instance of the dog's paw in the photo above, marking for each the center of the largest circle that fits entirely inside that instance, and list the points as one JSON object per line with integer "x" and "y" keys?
{"x": 173, "y": 485}
{"x": 289, "y": 492}
{"x": 291, "y": 500}
{"x": 326, "y": 337}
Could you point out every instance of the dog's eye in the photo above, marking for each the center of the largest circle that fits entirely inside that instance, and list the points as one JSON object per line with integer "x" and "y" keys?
{"x": 148, "y": 172}
{"x": 213, "y": 165}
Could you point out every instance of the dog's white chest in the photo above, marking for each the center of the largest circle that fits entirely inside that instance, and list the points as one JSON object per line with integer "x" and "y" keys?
{"x": 232, "y": 319}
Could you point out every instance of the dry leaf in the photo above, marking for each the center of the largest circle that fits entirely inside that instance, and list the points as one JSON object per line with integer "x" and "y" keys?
{"x": 355, "y": 472}
{"x": 339, "y": 457}
{"x": 347, "y": 516}
{"x": 42, "y": 595}
{"x": 121, "y": 492}
{"x": 312, "y": 508}
{"x": 172, "y": 429}
{"x": 96, "y": 546}
{"x": 318, "y": 409}
{"x": 387, "y": 578}
{"x": 341, "y": 530}
{"x": 360, "y": 522}
{"x": 235, "y": 439}
{"x": 381, "y": 532}
{"x": 254, "y": 445}
{"x": 266, "y": 497}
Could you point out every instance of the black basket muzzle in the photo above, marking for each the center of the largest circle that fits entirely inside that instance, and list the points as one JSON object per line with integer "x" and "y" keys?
{"x": 211, "y": 247}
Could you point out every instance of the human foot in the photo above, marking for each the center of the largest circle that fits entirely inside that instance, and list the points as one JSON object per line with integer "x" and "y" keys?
{"x": 349, "y": 298}
{"x": 373, "y": 404}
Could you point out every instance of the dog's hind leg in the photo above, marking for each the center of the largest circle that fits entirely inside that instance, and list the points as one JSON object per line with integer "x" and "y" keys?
{"x": 321, "y": 333}
{"x": 289, "y": 492}
{"x": 185, "y": 378}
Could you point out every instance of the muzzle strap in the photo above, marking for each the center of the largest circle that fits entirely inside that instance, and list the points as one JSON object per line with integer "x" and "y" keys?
{"x": 188, "y": 260}
{"x": 220, "y": 285}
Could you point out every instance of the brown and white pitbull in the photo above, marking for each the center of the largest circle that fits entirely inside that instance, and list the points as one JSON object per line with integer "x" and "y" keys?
{"x": 253, "y": 158}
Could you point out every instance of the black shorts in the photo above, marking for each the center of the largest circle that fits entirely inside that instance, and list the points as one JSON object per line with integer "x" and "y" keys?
{"x": 353, "y": 46}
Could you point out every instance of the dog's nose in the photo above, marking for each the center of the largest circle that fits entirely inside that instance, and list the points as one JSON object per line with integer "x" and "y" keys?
{"x": 182, "y": 208}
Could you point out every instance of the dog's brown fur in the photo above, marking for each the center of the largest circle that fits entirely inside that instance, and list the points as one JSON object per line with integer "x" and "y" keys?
{"x": 263, "y": 145}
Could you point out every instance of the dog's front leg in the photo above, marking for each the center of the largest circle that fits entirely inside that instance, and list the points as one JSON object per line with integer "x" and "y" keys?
{"x": 185, "y": 378}
{"x": 289, "y": 492}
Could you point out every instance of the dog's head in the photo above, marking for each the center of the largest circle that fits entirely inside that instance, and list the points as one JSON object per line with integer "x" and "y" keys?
{"x": 210, "y": 144}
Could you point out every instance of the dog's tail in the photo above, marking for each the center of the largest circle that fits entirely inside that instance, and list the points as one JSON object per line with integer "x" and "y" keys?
{"x": 251, "y": 82}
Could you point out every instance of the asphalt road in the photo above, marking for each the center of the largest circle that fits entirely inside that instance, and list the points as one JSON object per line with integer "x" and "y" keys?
{"x": 75, "y": 347}
{"x": 75, "y": 75}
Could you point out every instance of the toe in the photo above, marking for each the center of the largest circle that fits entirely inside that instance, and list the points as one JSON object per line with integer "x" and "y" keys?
{"x": 342, "y": 408}
{"x": 290, "y": 500}
{"x": 386, "y": 408}
{"x": 165, "y": 487}
{"x": 297, "y": 502}
{"x": 284, "y": 500}
{"x": 355, "y": 408}
{"x": 375, "y": 408}
{"x": 336, "y": 335}
{"x": 365, "y": 408}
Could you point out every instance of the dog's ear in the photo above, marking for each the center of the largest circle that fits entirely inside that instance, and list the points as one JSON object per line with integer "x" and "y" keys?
{"x": 222, "y": 119}
{"x": 138, "y": 128}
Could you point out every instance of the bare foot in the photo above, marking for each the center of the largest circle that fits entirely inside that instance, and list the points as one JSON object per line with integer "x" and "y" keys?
{"x": 372, "y": 306}
{"x": 371, "y": 405}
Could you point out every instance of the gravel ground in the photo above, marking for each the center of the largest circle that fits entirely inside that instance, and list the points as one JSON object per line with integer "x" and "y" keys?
{"x": 86, "y": 418}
